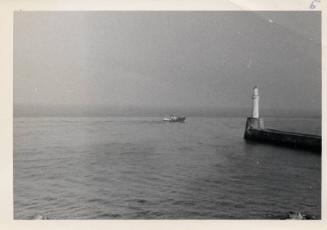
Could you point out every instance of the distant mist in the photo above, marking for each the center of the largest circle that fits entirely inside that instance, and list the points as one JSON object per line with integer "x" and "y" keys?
{"x": 113, "y": 63}
{"x": 102, "y": 111}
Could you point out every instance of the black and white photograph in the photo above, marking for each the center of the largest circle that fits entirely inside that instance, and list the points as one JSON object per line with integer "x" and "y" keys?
{"x": 167, "y": 115}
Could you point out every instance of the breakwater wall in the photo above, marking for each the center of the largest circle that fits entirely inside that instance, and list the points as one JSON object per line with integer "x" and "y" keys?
{"x": 253, "y": 132}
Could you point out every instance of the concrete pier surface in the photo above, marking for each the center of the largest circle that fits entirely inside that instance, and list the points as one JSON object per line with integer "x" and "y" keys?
{"x": 255, "y": 131}
{"x": 282, "y": 138}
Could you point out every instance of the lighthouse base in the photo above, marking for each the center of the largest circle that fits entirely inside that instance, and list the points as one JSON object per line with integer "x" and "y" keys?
{"x": 254, "y": 123}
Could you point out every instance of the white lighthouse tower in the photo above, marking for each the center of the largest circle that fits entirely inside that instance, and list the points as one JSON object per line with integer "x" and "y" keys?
{"x": 255, "y": 102}
{"x": 255, "y": 122}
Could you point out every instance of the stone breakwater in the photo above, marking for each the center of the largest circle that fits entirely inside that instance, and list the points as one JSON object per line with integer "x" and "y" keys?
{"x": 282, "y": 138}
{"x": 255, "y": 131}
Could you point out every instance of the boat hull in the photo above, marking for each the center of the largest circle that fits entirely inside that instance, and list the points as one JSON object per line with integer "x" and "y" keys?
{"x": 177, "y": 119}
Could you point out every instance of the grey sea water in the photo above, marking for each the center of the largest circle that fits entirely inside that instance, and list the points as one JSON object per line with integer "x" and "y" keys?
{"x": 143, "y": 168}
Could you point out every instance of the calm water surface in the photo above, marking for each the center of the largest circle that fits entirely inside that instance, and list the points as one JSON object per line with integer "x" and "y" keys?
{"x": 143, "y": 168}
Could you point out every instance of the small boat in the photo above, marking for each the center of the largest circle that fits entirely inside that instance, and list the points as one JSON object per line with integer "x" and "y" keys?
{"x": 173, "y": 118}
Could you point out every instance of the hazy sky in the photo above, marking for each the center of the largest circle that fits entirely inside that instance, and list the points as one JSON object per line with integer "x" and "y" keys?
{"x": 164, "y": 59}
